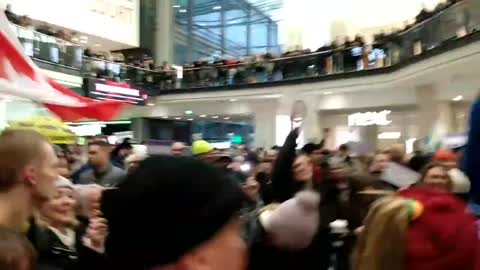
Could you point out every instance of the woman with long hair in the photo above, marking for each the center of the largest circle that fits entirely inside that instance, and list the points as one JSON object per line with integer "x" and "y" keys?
{"x": 418, "y": 229}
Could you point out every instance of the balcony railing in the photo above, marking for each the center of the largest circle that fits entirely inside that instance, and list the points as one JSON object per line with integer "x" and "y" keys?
{"x": 455, "y": 22}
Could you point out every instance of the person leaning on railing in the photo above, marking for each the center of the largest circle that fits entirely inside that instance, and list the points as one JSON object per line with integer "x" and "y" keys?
{"x": 12, "y": 17}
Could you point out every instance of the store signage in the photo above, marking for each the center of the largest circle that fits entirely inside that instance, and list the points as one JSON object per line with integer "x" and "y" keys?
{"x": 369, "y": 119}
{"x": 107, "y": 90}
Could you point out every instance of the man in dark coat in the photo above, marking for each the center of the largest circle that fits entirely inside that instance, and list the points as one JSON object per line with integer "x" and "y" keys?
{"x": 165, "y": 216}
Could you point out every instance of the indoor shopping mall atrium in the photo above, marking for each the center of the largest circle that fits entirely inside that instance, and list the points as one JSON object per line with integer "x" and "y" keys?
{"x": 239, "y": 134}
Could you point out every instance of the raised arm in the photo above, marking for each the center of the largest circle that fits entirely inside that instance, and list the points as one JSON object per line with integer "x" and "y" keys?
{"x": 282, "y": 177}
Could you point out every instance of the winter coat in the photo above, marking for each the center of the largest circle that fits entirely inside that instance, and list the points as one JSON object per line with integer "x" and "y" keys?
{"x": 53, "y": 254}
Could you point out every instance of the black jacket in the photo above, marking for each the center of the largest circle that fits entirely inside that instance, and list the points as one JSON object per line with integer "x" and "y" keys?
{"x": 54, "y": 255}
{"x": 283, "y": 185}
{"x": 335, "y": 204}
{"x": 265, "y": 256}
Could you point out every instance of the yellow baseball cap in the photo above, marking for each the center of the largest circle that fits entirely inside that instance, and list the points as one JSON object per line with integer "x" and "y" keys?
{"x": 201, "y": 147}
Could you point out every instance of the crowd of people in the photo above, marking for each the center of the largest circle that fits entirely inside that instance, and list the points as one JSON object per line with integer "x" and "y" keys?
{"x": 103, "y": 206}
{"x": 113, "y": 207}
{"x": 342, "y": 55}
{"x": 26, "y": 22}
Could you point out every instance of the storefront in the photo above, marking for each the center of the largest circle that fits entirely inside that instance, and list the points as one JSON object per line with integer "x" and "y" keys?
{"x": 371, "y": 129}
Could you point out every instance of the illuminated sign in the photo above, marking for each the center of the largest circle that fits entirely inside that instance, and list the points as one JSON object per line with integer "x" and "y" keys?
{"x": 237, "y": 139}
{"x": 369, "y": 119}
{"x": 124, "y": 92}
{"x": 87, "y": 130}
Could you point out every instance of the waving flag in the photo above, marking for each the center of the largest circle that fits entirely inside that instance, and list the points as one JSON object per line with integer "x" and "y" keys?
{"x": 20, "y": 77}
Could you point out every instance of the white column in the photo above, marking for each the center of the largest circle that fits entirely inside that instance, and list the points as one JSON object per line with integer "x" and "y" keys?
{"x": 434, "y": 118}
{"x": 282, "y": 118}
{"x": 272, "y": 121}
{"x": 426, "y": 110}
{"x": 445, "y": 118}
{"x": 265, "y": 124}
{"x": 312, "y": 123}
{"x": 164, "y": 32}
{"x": 3, "y": 114}
{"x": 368, "y": 138}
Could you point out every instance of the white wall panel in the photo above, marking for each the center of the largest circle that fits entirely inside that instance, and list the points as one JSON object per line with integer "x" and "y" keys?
{"x": 116, "y": 20}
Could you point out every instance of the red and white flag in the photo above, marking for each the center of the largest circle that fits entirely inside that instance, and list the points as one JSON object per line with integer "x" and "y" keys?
{"x": 20, "y": 77}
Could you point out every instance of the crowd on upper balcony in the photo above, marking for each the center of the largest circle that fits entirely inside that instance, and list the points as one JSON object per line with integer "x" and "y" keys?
{"x": 345, "y": 54}
{"x": 342, "y": 55}
{"x": 44, "y": 28}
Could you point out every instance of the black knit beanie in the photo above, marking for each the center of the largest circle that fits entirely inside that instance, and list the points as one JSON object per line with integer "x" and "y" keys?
{"x": 169, "y": 206}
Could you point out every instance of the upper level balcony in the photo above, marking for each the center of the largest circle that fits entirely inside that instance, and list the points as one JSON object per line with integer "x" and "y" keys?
{"x": 452, "y": 28}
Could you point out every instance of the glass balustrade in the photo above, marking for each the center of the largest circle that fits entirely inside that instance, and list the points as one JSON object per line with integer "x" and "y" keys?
{"x": 453, "y": 23}
{"x": 48, "y": 48}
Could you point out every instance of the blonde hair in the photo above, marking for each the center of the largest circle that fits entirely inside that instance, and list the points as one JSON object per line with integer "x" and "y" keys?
{"x": 382, "y": 243}
{"x": 44, "y": 222}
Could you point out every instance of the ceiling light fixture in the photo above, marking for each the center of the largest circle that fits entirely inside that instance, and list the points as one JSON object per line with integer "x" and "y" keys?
{"x": 176, "y": 6}
{"x": 182, "y": 10}
{"x": 458, "y": 98}
{"x": 188, "y": 112}
{"x": 165, "y": 117}
{"x": 203, "y": 115}
{"x": 389, "y": 135}
{"x": 178, "y": 118}
{"x": 217, "y": 7}
{"x": 150, "y": 104}
{"x": 233, "y": 99}
{"x": 215, "y": 116}
{"x": 226, "y": 118}
{"x": 190, "y": 119}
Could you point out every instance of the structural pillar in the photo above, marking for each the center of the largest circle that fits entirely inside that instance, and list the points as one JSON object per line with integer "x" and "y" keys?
{"x": 310, "y": 131}
{"x": 223, "y": 29}
{"x": 165, "y": 19}
{"x": 273, "y": 123}
{"x": 434, "y": 118}
{"x": 367, "y": 139}
{"x": 426, "y": 110}
{"x": 311, "y": 124}
{"x": 249, "y": 30}
{"x": 269, "y": 36}
{"x": 190, "y": 36}
{"x": 265, "y": 116}
{"x": 3, "y": 114}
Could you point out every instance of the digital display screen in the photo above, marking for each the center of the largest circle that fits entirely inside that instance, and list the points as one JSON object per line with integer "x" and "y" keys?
{"x": 107, "y": 90}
